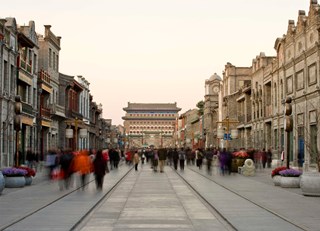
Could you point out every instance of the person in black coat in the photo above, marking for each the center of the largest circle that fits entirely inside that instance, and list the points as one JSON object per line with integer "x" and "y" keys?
{"x": 175, "y": 157}
{"x": 99, "y": 167}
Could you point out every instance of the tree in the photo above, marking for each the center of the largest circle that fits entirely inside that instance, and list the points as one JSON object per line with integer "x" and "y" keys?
{"x": 200, "y": 106}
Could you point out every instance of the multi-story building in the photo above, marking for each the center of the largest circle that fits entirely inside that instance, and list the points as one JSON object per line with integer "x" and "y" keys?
{"x": 84, "y": 109}
{"x": 258, "y": 105}
{"x": 49, "y": 45}
{"x": 190, "y": 132}
{"x": 295, "y": 73}
{"x": 210, "y": 110}
{"x": 8, "y": 88}
{"x": 27, "y": 64}
{"x": 150, "y": 124}
{"x": 234, "y": 112}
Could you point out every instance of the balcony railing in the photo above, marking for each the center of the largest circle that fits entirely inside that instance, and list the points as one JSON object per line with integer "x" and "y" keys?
{"x": 57, "y": 109}
{"x": 45, "y": 77}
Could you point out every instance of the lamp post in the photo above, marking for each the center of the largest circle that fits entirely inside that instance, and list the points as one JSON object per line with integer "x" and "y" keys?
{"x": 17, "y": 125}
{"x": 70, "y": 134}
{"x": 226, "y": 122}
{"x": 288, "y": 126}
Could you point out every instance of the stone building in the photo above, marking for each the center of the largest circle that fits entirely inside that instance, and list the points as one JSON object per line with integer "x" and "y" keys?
{"x": 8, "y": 87}
{"x": 210, "y": 111}
{"x": 150, "y": 124}
{"x": 261, "y": 101}
{"x": 49, "y": 45}
{"x": 190, "y": 132}
{"x": 257, "y": 99}
{"x": 234, "y": 110}
{"x": 295, "y": 73}
{"x": 27, "y": 64}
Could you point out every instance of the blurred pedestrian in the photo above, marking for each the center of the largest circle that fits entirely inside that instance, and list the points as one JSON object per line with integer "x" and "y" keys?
{"x": 155, "y": 160}
{"x": 209, "y": 156}
{"x": 143, "y": 157}
{"x": 269, "y": 158}
{"x": 136, "y": 160}
{"x": 199, "y": 157}
{"x": 175, "y": 157}
{"x": 66, "y": 168}
{"x": 99, "y": 169}
{"x": 51, "y": 162}
{"x": 105, "y": 154}
{"x": 162, "y": 153}
{"x": 83, "y": 166}
{"x": 182, "y": 158}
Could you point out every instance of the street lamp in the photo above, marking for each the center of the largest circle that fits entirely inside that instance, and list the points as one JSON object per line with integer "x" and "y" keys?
{"x": 17, "y": 125}
{"x": 227, "y": 135}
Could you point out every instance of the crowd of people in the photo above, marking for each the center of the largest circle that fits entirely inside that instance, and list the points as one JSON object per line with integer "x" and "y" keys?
{"x": 63, "y": 164}
{"x": 221, "y": 159}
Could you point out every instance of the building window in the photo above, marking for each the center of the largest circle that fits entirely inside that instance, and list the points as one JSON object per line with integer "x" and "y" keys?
{"x": 312, "y": 74}
{"x": 54, "y": 60}
{"x": 57, "y": 63}
{"x": 50, "y": 57}
{"x": 289, "y": 85}
{"x": 299, "y": 80}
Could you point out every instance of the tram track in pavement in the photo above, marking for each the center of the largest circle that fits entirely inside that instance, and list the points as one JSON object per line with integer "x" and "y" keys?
{"x": 210, "y": 178}
{"x": 12, "y": 225}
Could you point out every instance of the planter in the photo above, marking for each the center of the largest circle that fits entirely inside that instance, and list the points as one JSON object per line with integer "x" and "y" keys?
{"x": 236, "y": 162}
{"x": 290, "y": 182}
{"x": 15, "y": 181}
{"x": 276, "y": 180}
{"x": 2, "y": 182}
{"x": 310, "y": 184}
{"x": 28, "y": 180}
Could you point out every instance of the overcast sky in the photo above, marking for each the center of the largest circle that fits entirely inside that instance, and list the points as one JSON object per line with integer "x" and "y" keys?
{"x": 156, "y": 51}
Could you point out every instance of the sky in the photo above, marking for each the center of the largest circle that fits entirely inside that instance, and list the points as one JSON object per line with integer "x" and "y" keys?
{"x": 156, "y": 51}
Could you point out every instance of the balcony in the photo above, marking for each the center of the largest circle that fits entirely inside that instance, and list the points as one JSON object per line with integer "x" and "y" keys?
{"x": 45, "y": 77}
{"x": 45, "y": 112}
{"x": 57, "y": 110}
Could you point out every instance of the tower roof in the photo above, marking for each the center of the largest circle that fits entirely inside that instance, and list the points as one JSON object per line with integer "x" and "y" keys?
{"x": 215, "y": 77}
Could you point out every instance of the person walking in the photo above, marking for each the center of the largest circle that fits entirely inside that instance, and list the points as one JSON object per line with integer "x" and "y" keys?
{"x": 162, "y": 153}
{"x": 175, "y": 157}
{"x": 83, "y": 166}
{"x": 209, "y": 157}
{"x": 136, "y": 160}
{"x": 155, "y": 160}
{"x": 182, "y": 158}
{"x": 99, "y": 169}
{"x": 65, "y": 162}
{"x": 199, "y": 157}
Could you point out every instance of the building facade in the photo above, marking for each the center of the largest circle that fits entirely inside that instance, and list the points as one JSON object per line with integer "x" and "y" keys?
{"x": 211, "y": 110}
{"x": 150, "y": 124}
{"x": 8, "y": 89}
